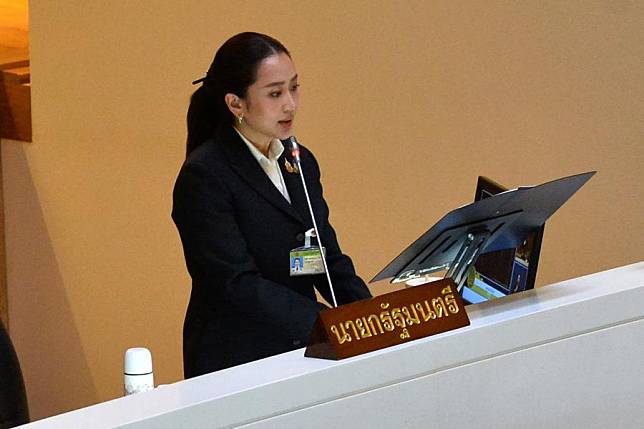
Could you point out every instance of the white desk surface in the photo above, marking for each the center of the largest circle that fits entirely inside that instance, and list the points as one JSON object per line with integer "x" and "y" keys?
{"x": 291, "y": 382}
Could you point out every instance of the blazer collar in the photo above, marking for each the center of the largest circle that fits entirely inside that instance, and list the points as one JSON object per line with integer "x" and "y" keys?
{"x": 246, "y": 166}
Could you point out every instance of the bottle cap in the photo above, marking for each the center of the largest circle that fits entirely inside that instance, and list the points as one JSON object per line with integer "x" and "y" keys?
{"x": 138, "y": 360}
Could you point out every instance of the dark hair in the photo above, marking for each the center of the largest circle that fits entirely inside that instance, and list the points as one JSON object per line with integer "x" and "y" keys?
{"x": 233, "y": 70}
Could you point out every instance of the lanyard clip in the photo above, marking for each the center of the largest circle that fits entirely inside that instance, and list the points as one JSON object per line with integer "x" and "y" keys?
{"x": 307, "y": 237}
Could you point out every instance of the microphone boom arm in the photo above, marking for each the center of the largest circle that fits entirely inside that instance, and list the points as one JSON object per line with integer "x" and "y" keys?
{"x": 295, "y": 152}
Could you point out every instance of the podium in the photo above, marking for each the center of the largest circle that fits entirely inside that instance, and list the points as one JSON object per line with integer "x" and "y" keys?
{"x": 564, "y": 355}
{"x": 454, "y": 243}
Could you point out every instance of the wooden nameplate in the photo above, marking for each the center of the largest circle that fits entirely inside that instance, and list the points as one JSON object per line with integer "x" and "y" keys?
{"x": 387, "y": 320}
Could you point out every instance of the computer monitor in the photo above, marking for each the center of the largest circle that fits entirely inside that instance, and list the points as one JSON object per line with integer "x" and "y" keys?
{"x": 504, "y": 272}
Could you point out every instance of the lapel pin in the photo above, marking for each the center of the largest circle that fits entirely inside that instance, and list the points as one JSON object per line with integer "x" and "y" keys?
{"x": 290, "y": 167}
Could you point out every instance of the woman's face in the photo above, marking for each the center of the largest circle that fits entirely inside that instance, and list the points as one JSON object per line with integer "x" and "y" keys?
{"x": 271, "y": 102}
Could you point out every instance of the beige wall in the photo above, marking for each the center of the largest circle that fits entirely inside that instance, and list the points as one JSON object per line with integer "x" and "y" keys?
{"x": 404, "y": 103}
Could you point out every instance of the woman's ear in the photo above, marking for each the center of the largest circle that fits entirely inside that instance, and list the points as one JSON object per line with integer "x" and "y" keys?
{"x": 235, "y": 104}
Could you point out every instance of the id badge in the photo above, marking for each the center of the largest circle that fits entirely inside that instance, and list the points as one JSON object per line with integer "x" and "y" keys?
{"x": 306, "y": 260}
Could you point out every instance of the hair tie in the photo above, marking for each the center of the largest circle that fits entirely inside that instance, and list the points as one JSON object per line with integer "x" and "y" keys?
{"x": 203, "y": 79}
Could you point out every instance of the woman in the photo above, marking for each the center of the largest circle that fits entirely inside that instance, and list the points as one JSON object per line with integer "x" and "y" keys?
{"x": 240, "y": 209}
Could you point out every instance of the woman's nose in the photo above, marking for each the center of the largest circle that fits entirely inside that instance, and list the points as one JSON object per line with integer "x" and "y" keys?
{"x": 290, "y": 104}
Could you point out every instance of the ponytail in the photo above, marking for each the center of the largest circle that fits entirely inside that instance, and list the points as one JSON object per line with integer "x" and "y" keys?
{"x": 206, "y": 113}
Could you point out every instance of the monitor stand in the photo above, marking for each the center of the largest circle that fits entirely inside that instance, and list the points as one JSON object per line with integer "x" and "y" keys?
{"x": 466, "y": 257}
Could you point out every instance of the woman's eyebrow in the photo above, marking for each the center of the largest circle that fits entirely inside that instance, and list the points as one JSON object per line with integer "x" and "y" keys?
{"x": 280, "y": 83}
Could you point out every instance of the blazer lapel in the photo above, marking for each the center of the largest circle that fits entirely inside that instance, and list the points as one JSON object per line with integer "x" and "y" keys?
{"x": 293, "y": 183}
{"x": 247, "y": 167}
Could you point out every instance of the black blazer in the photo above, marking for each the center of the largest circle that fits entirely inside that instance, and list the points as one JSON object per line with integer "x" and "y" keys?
{"x": 237, "y": 230}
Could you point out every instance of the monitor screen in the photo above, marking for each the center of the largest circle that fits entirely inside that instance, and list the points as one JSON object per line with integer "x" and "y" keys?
{"x": 501, "y": 273}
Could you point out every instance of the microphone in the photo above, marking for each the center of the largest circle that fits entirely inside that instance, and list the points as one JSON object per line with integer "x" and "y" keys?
{"x": 295, "y": 150}
{"x": 295, "y": 153}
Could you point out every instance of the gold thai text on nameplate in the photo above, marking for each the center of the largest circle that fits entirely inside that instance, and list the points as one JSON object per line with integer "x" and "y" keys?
{"x": 397, "y": 320}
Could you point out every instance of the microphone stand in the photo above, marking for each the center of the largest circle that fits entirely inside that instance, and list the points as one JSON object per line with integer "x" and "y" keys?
{"x": 295, "y": 153}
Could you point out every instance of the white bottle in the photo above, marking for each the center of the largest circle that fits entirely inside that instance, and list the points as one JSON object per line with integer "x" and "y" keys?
{"x": 137, "y": 371}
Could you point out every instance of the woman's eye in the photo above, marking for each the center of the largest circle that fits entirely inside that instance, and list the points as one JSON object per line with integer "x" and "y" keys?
{"x": 275, "y": 94}
{"x": 295, "y": 87}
